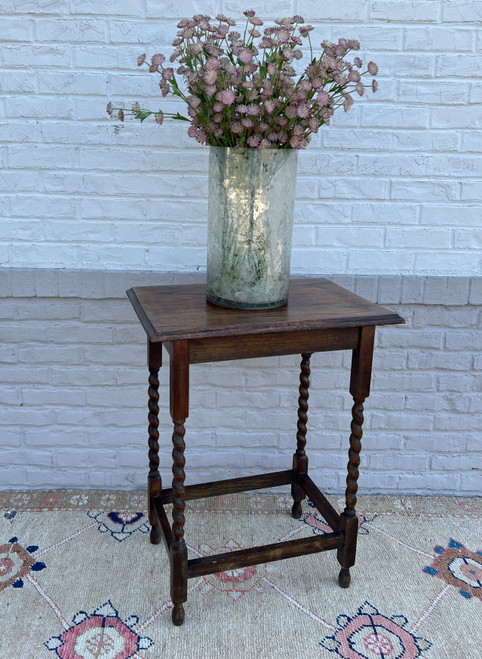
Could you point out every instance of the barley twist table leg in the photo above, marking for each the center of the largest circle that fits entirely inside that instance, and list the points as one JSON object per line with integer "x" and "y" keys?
{"x": 179, "y": 550}
{"x": 179, "y": 409}
{"x": 154, "y": 483}
{"x": 349, "y": 521}
{"x": 354, "y": 458}
{"x": 361, "y": 367}
{"x": 300, "y": 459}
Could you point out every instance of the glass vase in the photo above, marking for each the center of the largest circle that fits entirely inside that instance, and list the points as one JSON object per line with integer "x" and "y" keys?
{"x": 250, "y": 226}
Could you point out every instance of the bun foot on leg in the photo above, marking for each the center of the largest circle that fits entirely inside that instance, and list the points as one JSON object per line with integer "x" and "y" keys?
{"x": 178, "y": 614}
{"x": 344, "y": 577}
{"x": 155, "y": 535}
{"x": 296, "y": 510}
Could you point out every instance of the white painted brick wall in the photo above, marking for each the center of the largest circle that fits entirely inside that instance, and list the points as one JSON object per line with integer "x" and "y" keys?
{"x": 394, "y": 186}
{"x": 73, "y": 391}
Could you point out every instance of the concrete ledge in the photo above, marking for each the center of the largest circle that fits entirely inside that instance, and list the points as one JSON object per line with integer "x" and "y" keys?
{"x": 112, "y": 284}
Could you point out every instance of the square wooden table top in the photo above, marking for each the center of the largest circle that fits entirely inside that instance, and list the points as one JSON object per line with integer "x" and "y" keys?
{"x": 175, "y": 312}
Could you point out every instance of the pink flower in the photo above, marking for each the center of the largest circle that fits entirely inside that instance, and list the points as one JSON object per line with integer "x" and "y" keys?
{"x": 141, "y": 59}
{"x": 374, "y": 86}
{"x": 221, "y": 31}
{"x": 249, "y": 13}
{"x": 261, "y": 127}
{"x": 323, "y": 99}
{"x": 211, "y": 64}
{"x": 252, "y": 110}
{"x": 157, "y": 60}
{"x": 245, "y": 55}
{"x": 210, "y": 77}
{"x": 264, "y": 144}
{"x": 348, "y": 102}
{"x": 196, "y": 48}
{"x": 175, "y": 54}
{"x": 194, "y": 101}
{"x": 168, "y": 73}
{"x": 305, "y": 30}
{"x": 295, "y": 142}
{"x": 266, "y": 43}
{"x": 226, "y": 97}
{"x": 330, "y": 63}
{"x": 360, "y": 88}
{"x": 340, "y": 79}
{"x": 291, "y": 111}
{"x": 253, "y": 141}
{"x": 357, "y": 61}
{"x": 159, "y": 117}
{"x": 109, "y": 109}
{"x": 269, "y": 106}
{"x": 314, "y": 124}
{"x": 354, "y": 76}
{"x": 283, "y": 36}
{"x": 372, "y": 68}
{"x": 192, "y": 131}
{"x": 303, "y": 111}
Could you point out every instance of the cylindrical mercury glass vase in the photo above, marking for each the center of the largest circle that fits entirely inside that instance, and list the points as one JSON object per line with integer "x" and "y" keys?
{"x": 250, "y": 226}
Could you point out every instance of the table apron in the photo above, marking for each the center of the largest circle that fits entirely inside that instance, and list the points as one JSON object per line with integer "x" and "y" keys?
{"x": 270, "y": 344}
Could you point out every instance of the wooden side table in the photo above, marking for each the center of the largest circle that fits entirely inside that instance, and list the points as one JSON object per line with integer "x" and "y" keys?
{"x": 319, "y": 316}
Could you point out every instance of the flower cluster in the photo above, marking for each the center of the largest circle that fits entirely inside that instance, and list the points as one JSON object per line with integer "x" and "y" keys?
{"x": 244, "y": 90}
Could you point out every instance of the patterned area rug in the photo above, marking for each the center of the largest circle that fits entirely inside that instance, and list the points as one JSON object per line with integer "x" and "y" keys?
{"x": 79, "y": 579}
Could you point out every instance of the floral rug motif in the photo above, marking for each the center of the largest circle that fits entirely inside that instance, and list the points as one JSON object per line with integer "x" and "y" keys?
{"x": 79, "y": 579}
{"x": 459, "y": 567}
{"x": 371, "y": 635}
{"x": 16, "y": 562}
{"x": 120, "y": 525}
{"x": 101, "y": 634}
